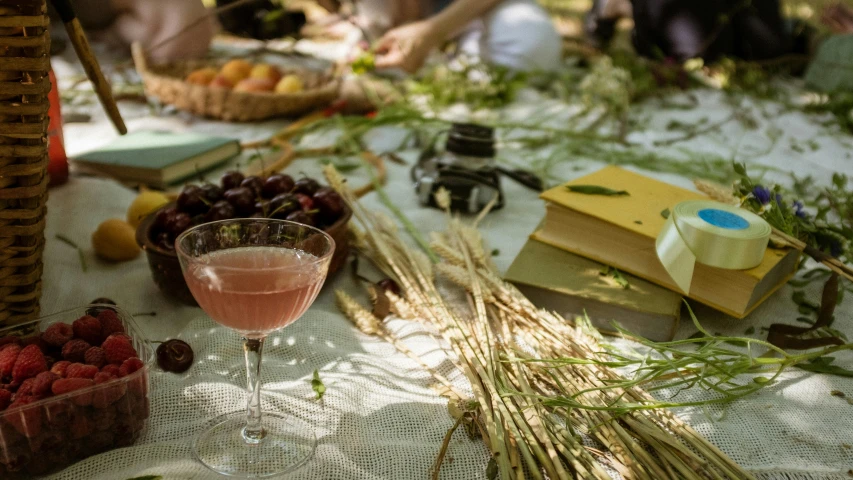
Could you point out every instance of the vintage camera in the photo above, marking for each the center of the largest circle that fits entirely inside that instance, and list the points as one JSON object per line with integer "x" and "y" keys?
{"x": 466, "y": 169}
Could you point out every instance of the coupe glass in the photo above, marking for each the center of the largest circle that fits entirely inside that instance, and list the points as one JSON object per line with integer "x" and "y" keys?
{"x": 255, "y": 276}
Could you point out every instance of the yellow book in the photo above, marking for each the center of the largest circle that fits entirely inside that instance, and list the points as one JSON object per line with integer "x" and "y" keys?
{"x": 620, "y": 231}
{"x": 571, "y": 285}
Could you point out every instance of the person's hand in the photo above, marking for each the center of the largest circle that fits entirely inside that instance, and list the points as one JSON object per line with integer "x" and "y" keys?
{"x": 407, "y": 47}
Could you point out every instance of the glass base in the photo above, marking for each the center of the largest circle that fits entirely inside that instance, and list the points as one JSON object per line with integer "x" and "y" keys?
{"x": 287, "y": 444}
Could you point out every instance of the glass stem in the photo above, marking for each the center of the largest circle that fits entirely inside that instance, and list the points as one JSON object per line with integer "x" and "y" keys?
{"x": 254, "y": 431}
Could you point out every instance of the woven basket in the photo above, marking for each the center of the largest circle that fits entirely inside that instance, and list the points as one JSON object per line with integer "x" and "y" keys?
{"x": 24, "y": 85}
{"x": 166, "y": 82}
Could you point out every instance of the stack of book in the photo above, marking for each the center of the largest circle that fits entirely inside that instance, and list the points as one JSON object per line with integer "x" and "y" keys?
{"x": 594, "y": 253}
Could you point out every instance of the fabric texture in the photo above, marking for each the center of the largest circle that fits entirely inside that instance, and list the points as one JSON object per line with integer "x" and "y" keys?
{"x": 379, "y": 418}
{"x": 517, "y": 34}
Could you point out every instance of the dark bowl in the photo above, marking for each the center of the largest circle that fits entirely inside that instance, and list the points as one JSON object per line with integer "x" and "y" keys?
{"x": 166, "y": 270}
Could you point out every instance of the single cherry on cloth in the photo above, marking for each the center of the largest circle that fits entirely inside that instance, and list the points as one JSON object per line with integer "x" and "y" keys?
{"x": 175, "y": 356}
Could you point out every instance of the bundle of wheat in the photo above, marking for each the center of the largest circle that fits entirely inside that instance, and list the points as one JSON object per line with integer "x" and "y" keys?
{"x": 535, "y": 415}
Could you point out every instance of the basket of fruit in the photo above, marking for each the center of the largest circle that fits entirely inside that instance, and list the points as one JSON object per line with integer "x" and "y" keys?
{"x": 74, "y": 384}
{"x": 236, "y": 90}
{"x": 276, "y": 196}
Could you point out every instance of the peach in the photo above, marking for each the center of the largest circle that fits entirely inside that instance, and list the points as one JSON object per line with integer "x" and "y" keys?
{"x": 255, "y": 85}
{"x": 265, "y": 71}
{"x": 219, "y": 81}
{"x": 202, "y": 76}
{"x": 236, "y": 70}
{"x": 289, "y": 84}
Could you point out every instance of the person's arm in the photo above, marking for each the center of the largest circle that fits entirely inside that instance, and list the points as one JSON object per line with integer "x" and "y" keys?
{"x": 168, "y": 29}
{"x": 408, "y": 46}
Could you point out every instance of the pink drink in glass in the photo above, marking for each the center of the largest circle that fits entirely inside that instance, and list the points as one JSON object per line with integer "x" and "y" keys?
{"x": 256, "y": 290}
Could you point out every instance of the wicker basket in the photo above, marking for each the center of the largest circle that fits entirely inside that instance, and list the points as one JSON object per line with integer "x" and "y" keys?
{"x": 166, "y": 82}
{"x": 24, "y": 85}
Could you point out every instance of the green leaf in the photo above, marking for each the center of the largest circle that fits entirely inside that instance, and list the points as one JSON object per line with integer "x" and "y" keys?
{"x": 616, "y": 276}
{"x": 340, "y": 165}
{"x": 596, "y": 190}
{"x": 749, "y": 331}
{"x": 492, "y": 469}
{"x": 638, "y": 222}
{"x": 317, "y": 385}
{"x": 831, "y": 69}
{"x": 496, "y": 252}
{"x": 824, "y": 365}
{"x": 761, "y": 380}
{"x": 665, "y": 213}
{"x": 740, "y": 169}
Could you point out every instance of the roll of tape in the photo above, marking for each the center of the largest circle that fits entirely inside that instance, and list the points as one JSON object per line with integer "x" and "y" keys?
{"x": 710, "y": 233}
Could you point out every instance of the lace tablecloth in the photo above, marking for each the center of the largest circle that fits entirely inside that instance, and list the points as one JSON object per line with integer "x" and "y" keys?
{"x": 379, "y": 418}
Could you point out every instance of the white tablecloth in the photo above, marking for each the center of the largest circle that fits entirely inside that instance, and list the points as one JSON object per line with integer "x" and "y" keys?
{"x": 379, "y": 418}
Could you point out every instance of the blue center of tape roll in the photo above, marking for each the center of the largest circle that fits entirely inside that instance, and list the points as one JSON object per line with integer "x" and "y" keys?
{"x": 723, "y": 219}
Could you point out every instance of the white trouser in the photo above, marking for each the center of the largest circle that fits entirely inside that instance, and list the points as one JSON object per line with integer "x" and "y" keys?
{"x": 517, "y": 34}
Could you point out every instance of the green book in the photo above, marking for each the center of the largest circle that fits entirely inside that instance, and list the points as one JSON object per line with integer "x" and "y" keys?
{"x": 560, "y": 281}
{"x": 158, "y": 159}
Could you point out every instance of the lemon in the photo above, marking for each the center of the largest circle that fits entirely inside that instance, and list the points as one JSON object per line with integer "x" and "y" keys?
{"x": 289, "y": 84}
{"x": 144, "y": 204}
{"x": 115, "y": 240}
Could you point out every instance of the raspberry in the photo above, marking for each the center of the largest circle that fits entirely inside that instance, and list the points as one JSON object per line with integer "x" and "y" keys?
{"x": 129, "y": 366}
{"x": 30, "y": 362}
{"x": 5, "y": 399}
{"x": 95, "y": 356}
{"x": 88, "y": 328}
{"x": 58, "y": 334}
{"x": 25, "y": 389}
{"x": 8, "y": 355}
{"x": 43, "y": 382}
{"x": 110, "y": 323}
{"x": 68, "y": 385}
{"x": 78, "y": 370}
{"x": 60, "y": 368}
{"x": 111, "y": 369}
{"x": 74, "y": 350}
{"x": 103, "y": 377}
{"x": 9, "y": 339}
{"x": 80, "y": 427}
{"x": 118, "y": 348}
{"x": 28, "y": 421}
{"x": 107, "y": 395}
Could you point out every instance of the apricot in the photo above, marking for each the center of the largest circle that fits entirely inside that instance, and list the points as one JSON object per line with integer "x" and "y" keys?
{"x": 202, "y": 76}
{"x": 289, "y": 84}
{"x": 236, "y": 70}
{"x": 265, "y": 71}
{"x": 144, "y": 204}
{"x": 115, "y": 240}
{"x": 221, "y": 82}
{"x": 255, "y": 85}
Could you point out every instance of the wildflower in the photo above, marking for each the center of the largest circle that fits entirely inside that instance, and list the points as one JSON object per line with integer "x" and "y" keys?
{"x": 761, "y": 194}
{"x": 799, "y": 209}
{"x": 835, "y": 248}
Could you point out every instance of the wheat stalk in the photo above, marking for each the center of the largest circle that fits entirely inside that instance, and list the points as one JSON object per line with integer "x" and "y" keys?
{"x": 490, "y": 336}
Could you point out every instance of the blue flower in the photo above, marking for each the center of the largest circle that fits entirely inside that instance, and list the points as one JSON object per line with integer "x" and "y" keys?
{"x": 799, "y": 209}
{"x": 835, "y": 248}
{"x": 761, "y": 194}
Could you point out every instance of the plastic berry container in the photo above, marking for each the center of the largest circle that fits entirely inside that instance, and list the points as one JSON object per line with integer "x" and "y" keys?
{"x": 52, "y": 433}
